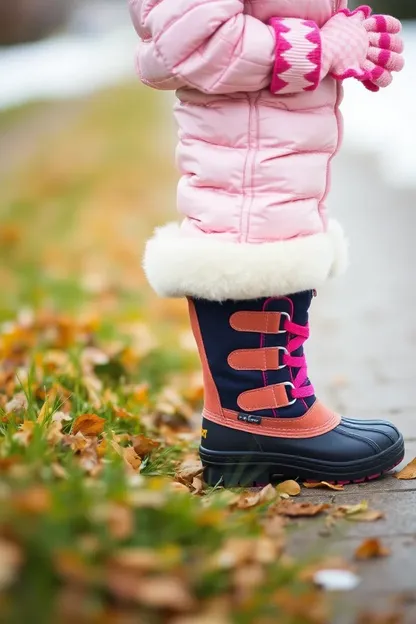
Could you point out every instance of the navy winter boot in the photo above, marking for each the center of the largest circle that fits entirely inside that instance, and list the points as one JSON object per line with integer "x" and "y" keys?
{"x": 261, "y": 419}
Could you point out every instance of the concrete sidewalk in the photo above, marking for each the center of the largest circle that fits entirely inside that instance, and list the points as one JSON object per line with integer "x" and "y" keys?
{"x": 362, "y": 363}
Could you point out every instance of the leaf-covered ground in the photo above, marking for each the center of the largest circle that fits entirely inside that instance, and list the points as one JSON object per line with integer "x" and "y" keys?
{"x": 104, "y": 517}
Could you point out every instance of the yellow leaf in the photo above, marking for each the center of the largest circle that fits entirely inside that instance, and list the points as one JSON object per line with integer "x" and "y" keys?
{"x": 44, "y": 412}
{"x": 371, "y": 549}
{"x": 89, "y": 425}
{"x": 298, "y": 510}
{"x": 323, "y": 484}
{"x": 371, "y": 515}
{"x": 409, "y": 472}
{"x": 291, "y": 488}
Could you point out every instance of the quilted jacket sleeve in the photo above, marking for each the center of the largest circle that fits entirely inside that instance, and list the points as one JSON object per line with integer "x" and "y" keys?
{"x": 209, "y": 45}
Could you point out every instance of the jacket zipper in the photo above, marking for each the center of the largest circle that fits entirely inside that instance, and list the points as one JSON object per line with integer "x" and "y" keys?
{"x": 249, "y": 166}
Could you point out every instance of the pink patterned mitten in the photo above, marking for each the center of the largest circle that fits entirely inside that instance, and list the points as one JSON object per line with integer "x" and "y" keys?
{"x": 356, "y": 44}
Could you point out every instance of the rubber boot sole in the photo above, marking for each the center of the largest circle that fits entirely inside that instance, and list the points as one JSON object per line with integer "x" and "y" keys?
{"x": 237, "y": 469}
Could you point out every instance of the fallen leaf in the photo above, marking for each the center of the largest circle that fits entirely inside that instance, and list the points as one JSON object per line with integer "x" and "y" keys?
{"x": 371, "y": 549}
{"x": 292, "y": 488}
{"x": 308, "y": 607}
{"x": 131, "y": 458}
{"x": 165, "y": 593}
{"x": 235, "y": 552}
{"x": 197, "y": 485}
{"x": 381, "y": 618}
{"x": 349, "y": 510}
{"x": 120, "y": 520}
{"x": 189, "y": 469}
{"x": 371, "y": 515}
{"x": 59, "y": 471}
{"x": 409, "y": 472}
{"x": 298, "y": 510}
{"x": 25, "y": 433}
{"x": 17, "y": 404}
{"x": 88, "y": 425}
{"x": 322, "y": 484}
{"x": 179, "y": 487}
{"x": 35, "y": 500}
{"x": 144, "y": 446}
{"x": 44, "y": 412}
{"x": 136, "y": 559}
{"x": 11, "y": 559}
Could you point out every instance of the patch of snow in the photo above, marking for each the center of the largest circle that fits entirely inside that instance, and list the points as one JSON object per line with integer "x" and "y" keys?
{"x": 65, "y": 66}
{"x": 384, "y": 123}
{"x": 336, "y": 580}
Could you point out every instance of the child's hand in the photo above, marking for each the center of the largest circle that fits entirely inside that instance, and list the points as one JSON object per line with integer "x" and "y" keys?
{"x": 358, "y": 45}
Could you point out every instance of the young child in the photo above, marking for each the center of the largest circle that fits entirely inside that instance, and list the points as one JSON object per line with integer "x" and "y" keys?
{"x": 259, "y": 84}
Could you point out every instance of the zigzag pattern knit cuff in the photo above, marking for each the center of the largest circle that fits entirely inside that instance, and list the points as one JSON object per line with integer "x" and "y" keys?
{"x": 298, "y": 56}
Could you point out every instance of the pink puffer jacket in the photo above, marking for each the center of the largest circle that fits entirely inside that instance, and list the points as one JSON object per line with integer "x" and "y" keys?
{"x": 255, "y": 166}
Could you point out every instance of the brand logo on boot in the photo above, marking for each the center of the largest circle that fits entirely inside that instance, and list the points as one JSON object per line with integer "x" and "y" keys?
{"x": 204, "y": 433}
{"x": 249, "y": 418}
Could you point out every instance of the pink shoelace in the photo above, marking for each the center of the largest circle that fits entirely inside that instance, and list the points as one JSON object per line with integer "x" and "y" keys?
{"x": 300, "y": 334}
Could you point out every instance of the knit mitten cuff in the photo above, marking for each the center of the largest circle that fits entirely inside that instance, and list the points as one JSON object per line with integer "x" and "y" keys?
{"x": 298, "y": 56}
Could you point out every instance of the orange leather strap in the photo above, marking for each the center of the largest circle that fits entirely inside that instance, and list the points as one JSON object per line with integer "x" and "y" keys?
{"x": 260, "y": 322}
{"x": 269, "y": 397}
{"x": 268, "y": 358}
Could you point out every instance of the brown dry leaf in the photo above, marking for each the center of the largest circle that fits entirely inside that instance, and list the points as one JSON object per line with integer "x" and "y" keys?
{"x": 179, "y": 487}
{"x": 120, "y": 520}
{"x": 250, "y": 499}
{"x": 165, "y": 592}
{"x": 136, "y": 559}
{"x": 248, "y": 577}
{"x": 197, "y": 485}
{"x": 409, "y": 472}
{"x": 291, "y": 488}
{"x": 310, "y": 607}
{"x": 298, "y": 510}
{"x": 235, "y": 552}
{"x": 323, "y": 484}
{"x": 11, "y": 558}
{"x": 25, "y": 433}
{"x": 381, "y": 618}
{"x": 72, "y": 567}
{"x": 349, "y": 510}
{"x": 371, "y": 549}
{"x": 131, "y": 458}
{"x": 17, "y": 404}
{"x": 144, "y": 446}
{"x": 54, "y": 433}
{"x": 189, "y": 469}
{"x": 78, "y": 443}
{"x": 59, "y": 471}
{"x": 88, "y": 425}
{"x": 35, "y": 500}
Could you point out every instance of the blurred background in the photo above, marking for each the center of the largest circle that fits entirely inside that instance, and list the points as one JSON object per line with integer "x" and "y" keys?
{"x": 83, "y": 148}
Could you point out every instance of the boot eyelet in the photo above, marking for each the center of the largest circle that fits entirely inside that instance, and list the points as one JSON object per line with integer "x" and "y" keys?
{"x": 290, "y": 385}
{"x": 287, "y": 315}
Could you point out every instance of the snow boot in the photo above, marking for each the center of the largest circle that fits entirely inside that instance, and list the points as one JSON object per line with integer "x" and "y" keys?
{"x": 261, "y": 420}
